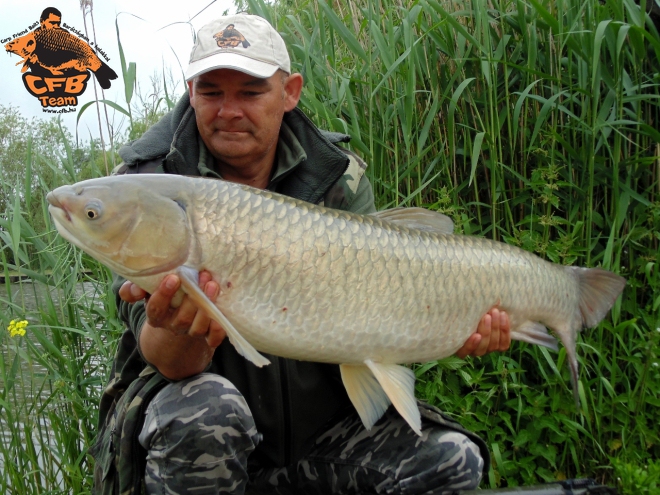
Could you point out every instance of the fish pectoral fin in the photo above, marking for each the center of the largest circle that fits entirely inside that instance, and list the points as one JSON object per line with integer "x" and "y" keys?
{"x": 190, "y": 284}
{"x": 534, "y": 332}
{"x": 398, "y": 382}
{"x": 366, "y": 394}
{"x": 418, "y": 218}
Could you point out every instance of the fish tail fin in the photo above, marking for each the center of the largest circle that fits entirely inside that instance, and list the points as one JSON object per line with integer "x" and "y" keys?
{"x": 599, "y": 290}
{"x": 104, "y": 75}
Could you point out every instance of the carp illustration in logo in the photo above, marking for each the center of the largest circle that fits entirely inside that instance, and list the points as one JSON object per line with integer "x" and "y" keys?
{"x": 49, "y": 51}
{"x": 230, "y": 38}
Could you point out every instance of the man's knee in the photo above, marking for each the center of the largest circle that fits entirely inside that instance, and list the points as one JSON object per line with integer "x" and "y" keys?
{"x": 445, "y": 459}
{"x": 203, "y": 418}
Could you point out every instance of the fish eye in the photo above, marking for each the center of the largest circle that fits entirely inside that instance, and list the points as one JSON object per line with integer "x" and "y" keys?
{"x": 93, "y": 212}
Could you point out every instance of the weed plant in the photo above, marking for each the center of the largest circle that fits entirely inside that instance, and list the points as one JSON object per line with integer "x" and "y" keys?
{"x": 532, "y": 123}
{"x": 53, "y": 375}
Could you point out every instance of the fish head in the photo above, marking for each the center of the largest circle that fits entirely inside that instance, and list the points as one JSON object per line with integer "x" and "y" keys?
{"x": 22, "y": 46}
{"x": 132, "y": 229}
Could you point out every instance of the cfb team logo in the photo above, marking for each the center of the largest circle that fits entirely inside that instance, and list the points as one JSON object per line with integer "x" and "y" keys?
{"x": 56, "y": 64}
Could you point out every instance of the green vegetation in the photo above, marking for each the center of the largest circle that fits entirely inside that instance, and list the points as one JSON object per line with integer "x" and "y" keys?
{"x": 533, "y": 123}
{"x": 52, "y": 376}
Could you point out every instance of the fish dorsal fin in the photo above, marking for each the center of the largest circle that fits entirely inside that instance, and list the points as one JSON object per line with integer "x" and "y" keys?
{"x": 366, "y": 394}
{"x": 418, "y": 218}
{"x": 398, "y": 382}
{"x": 189, "y": 282}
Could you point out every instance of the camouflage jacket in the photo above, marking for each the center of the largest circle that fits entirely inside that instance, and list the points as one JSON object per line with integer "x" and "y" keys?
{"x": 290, "y": 400}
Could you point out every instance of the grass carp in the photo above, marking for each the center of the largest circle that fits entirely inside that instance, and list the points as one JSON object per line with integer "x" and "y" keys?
{"x": 369, "y": 292}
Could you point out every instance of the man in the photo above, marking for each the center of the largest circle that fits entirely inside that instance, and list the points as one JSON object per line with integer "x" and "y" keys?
{"x": 214, "y": 422}
{"x": 50, "y": 18}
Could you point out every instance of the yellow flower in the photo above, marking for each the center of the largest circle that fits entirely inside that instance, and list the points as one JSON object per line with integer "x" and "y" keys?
{"x": 17, "y": 328}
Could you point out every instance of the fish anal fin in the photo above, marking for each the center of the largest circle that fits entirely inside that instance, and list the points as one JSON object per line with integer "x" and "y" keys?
{"x": 398, "y": 382}
{"x": 366, "y": 394}
{"x": 534, "y": 332}
{"x": 418, "y": 218}
{"x": 190, "y": 284}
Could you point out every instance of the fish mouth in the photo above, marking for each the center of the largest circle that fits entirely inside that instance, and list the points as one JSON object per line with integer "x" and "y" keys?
{"x": 57, "y": 205}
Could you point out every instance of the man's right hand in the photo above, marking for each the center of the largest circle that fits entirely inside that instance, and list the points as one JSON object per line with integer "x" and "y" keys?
{"x": 180, "y": 342}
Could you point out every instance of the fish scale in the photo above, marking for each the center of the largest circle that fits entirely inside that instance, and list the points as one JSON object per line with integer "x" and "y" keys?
{"x": 306, "y": 282}
{"x": 60, "y": 40}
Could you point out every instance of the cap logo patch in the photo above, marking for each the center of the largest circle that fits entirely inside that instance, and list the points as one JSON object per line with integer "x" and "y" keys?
{"x": 230, "y": 38}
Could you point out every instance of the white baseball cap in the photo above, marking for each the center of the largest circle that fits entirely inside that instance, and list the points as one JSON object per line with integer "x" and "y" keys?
{"x": 247, "y": 43}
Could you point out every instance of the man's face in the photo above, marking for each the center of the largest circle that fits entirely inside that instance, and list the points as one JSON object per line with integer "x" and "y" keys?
{"x": 53, "y": 21}
{"x": 239, "y": 116}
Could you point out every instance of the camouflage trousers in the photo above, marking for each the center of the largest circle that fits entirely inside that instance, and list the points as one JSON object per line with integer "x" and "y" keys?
{"x": 199, "y": 433}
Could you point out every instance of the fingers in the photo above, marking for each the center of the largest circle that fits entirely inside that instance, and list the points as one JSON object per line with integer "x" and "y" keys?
{"x": 495, "y": 326}
{"x": 470, "y": 346}
{"x": 493, "y": 334}
{"x": 158, "y": 309}
{"x": 500, "y": 336}
{"x": 214, "y": 333}
{"x": 160, "y": 312}
{"x": 201, "y": 321}
{"x": 204, "y": 278}
{"x": 187, "y": 317}
{"x": 131, "y": 293}
{"x": 485, "y": 329}
{"x": 505, "y": 332}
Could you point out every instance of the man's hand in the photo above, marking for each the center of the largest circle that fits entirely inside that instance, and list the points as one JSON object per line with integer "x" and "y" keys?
{"x": 493, "y": 334}
{"x": 178, "y": 341}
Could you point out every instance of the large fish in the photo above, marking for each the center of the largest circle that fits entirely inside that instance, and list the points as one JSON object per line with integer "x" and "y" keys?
{"x": 310, "y": 283}
{"x": 58, "y": 50}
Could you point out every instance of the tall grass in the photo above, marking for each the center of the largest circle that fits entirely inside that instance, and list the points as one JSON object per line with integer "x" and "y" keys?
{"x": 533, "y": 123}
{"x": 53, "y": 376}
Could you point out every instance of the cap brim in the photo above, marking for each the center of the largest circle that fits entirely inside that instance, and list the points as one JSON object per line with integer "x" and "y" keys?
{"x": 233, "y": 61}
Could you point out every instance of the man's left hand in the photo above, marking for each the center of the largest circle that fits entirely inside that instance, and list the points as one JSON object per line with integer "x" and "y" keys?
{"x": 493, "y": 334}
